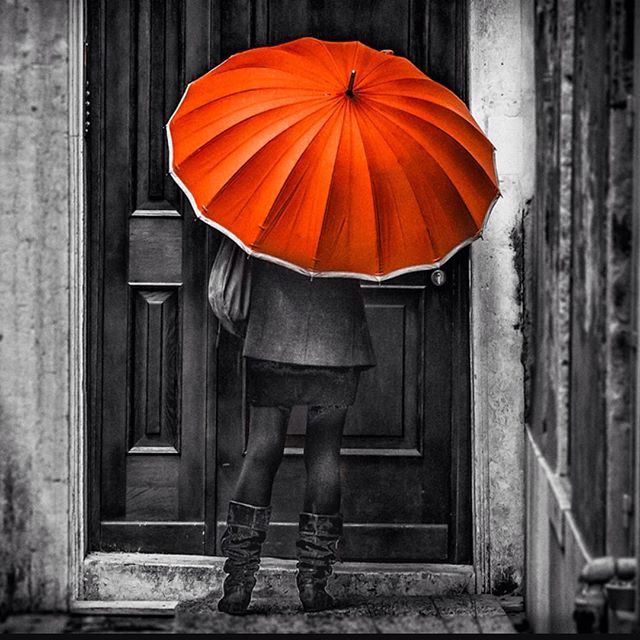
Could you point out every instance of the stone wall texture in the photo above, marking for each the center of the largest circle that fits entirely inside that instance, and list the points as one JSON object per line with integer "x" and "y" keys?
{"x": 34, "y": 326}
{"x": 501, "y": 99}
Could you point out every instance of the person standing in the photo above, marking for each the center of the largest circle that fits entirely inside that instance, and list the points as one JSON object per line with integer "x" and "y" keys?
{"x": 306, "y": 342}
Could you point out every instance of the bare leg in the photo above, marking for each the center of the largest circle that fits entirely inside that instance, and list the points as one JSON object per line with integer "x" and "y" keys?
{"x": 322, "y": 459}
{"x": 268, "y": 428}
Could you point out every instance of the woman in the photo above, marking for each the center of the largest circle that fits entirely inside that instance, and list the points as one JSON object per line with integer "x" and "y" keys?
{"x": 306, "y": 342}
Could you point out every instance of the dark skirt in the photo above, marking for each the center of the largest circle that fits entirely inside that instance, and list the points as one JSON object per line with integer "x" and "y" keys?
{"x": 277, "y": 384}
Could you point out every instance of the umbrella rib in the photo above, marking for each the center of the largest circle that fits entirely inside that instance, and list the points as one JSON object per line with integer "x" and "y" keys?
{"x": 273, "y": 164}
{"x": 376, "y": 213}
{"x": 338, "y": 71}
{"x": 277, "y": 215}
{"x": 430, "y": 154}
{"x": 296, "y": 75}
{"x": 387, "y": 59}
{"x": 182, "y": 116}
{"x": 443, "y": 171}
{"x": 444, "y": 131}
{"x": 329, "y": 190}
{"x": 415, "y": 197}
{"x": 204, "y": 146}
{"x": 463, "y": 115}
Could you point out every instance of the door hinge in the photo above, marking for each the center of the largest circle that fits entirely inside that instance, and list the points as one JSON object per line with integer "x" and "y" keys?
{"x": 86, "y": 107}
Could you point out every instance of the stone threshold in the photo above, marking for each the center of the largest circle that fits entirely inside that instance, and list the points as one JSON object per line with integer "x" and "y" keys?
{"x": 138, "y": 582}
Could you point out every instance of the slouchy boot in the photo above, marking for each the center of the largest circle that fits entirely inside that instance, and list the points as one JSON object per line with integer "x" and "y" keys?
{"x": 241, "y": 544}
{"x": 316, "y": 548}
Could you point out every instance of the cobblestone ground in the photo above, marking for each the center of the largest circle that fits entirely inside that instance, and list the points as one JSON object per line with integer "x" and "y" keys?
{"x": 444, "y": 615}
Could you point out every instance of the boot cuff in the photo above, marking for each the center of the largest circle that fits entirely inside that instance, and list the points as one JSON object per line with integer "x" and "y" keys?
{"x": 246, "y": 515}
{"x": 321, "y": 525}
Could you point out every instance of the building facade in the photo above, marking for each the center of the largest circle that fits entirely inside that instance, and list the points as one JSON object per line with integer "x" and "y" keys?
{"x": 581, "y": 302}
{"x": 540, "y": 308}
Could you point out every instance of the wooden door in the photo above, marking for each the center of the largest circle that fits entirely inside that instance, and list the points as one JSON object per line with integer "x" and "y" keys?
{"x": 169, "y": 416}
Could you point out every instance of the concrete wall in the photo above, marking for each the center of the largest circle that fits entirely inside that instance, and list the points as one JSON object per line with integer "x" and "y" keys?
{"x": 34, "y": 307}
{"x": 501, "y": 96}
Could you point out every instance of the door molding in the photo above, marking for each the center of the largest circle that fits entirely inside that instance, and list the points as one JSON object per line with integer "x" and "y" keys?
{"x": 78, "y": 342}
{"x": 483, "y": 412}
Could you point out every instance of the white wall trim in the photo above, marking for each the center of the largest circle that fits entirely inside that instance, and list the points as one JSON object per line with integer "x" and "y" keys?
{"x": 556, "y": 551}
{"x": 559, "y": 503}
{"x": 77, "y": 302}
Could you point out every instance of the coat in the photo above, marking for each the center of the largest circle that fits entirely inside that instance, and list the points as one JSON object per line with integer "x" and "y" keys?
{"x": 298, "y": 320}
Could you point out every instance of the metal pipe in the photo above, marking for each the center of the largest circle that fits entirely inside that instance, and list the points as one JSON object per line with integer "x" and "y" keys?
{"x": 349, "y": 90}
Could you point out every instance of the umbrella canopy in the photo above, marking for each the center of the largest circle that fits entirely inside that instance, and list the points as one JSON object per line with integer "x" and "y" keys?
{"x": 333, "y": 159}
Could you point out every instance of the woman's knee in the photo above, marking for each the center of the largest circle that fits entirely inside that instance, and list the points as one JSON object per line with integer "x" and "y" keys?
{"x": 323, "y": 462}
{"x": 263, "y": 461}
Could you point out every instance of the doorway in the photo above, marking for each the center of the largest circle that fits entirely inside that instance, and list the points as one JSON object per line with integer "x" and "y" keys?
{"x": 167, "y": 408}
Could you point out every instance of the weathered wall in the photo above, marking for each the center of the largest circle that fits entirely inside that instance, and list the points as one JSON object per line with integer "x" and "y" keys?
{"x": 579, "y": 299}
{"x": 34, "y": 288}
{"x": 501, "y": 99}
{"x": 34, "y": 310}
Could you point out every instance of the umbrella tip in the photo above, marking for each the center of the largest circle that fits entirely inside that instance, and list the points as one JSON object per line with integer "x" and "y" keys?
{"x": 349, "y": 90}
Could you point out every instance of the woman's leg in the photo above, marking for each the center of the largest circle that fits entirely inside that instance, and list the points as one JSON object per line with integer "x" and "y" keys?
{"x": 322, "y": 459}
{"x": 320, "y": 527}
{"x": 267, "y": 432}
{"x": 249, "y": 510}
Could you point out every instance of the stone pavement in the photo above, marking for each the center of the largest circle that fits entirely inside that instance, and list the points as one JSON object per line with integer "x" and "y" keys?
{"x": 410, "y": 614}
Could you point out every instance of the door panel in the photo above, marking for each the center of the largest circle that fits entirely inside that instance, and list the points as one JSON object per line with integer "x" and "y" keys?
{"x": 169, "y": 418}
{"x": 405, "y": 451}
{"x": 150, "y": 266}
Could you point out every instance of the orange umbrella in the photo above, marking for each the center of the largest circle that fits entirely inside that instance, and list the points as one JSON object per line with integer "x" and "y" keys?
{"x": 333, "y": 159}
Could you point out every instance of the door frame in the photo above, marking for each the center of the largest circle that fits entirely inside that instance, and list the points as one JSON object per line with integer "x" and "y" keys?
{"x": 483, "y": 327}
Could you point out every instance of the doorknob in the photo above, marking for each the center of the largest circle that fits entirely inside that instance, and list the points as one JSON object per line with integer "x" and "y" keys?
{"x": 438, "y": 277}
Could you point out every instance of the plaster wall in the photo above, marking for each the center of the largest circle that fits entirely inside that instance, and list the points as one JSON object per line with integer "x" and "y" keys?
{"x": 34, "y": 308}
{"x": 501, "y": 83}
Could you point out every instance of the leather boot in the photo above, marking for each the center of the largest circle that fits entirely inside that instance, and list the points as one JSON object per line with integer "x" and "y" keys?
{"x": 241, "y": 544}
{"x": 318, "y": 537}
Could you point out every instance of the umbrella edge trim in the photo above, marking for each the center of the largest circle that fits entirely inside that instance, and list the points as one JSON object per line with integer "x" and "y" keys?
{"x": 323, "y": 274}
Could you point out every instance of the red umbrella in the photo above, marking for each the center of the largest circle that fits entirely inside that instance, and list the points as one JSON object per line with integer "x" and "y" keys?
{"x": 333, "y": 159}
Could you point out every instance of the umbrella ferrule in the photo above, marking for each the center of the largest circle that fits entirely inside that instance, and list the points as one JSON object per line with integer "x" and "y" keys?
{"x": 349, "y": 90}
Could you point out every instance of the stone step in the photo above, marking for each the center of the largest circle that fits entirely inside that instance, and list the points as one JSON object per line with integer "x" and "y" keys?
{"x": 159, "y": 577}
